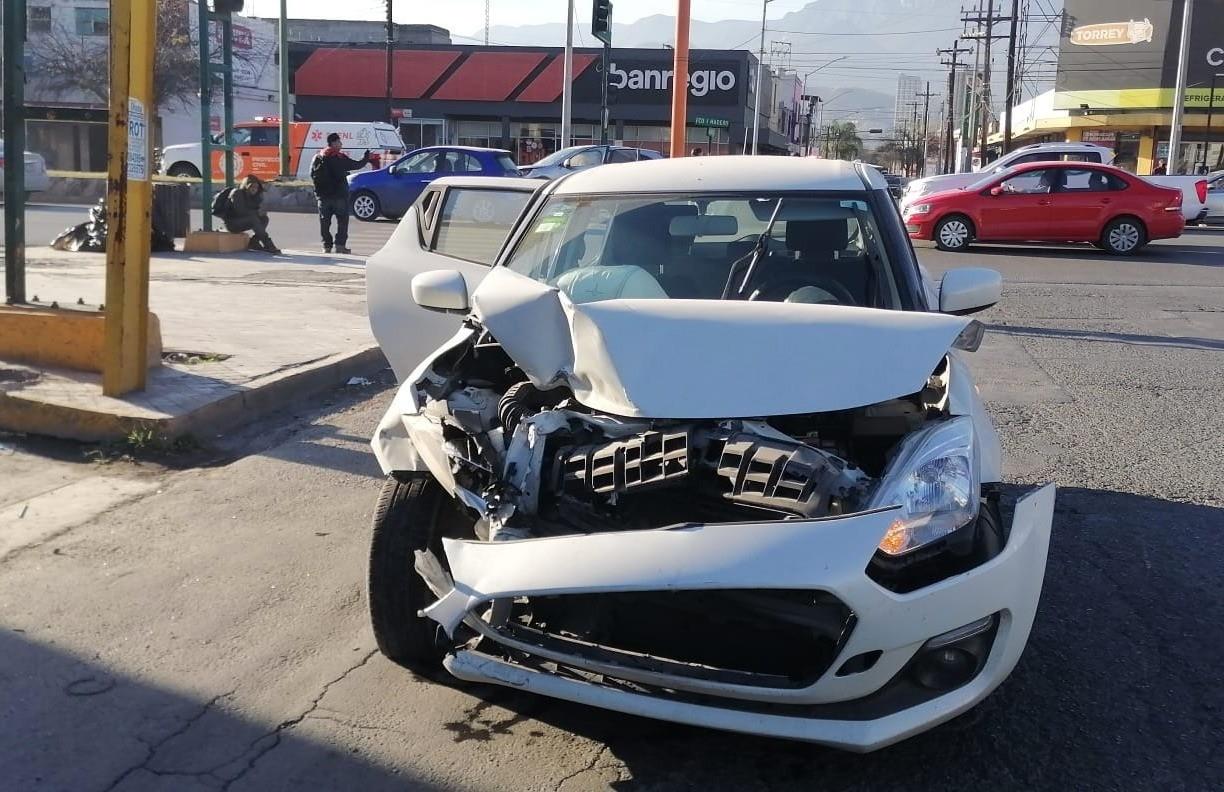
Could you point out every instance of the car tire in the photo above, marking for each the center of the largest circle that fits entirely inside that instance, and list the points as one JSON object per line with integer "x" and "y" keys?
{"x": 365, "y": 206}
{"x": 953, "y": 233}
{"x": 413, "y": 513}
{"x": 1124, "y": 236}
{"x": 181, "y": 169}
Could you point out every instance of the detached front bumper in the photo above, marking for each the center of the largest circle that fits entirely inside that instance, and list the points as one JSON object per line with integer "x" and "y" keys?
{"x": 845, "y": 709}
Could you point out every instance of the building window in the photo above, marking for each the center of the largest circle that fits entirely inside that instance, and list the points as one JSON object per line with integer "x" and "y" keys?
{"x": 38, "y": 19}
{"x": 92, "y": 21}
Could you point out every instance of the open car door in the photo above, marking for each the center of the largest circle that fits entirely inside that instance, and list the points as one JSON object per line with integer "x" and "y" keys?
{"x": 458, "y": 223}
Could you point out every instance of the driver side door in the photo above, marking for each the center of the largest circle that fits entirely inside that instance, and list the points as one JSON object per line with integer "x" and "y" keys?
{"x": 1020, "y": 210}
{"x": 406, "y": 179}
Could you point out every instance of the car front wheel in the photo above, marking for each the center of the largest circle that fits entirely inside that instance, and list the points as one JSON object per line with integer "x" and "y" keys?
{"x": 366, "y": 206}
{"x": 413, "y": 513}
{"x": 953, "y": 233}
{"x": 1124, "y": 236}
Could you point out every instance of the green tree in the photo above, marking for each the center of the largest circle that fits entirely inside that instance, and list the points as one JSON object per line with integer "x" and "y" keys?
{"x": 842, "y": 140}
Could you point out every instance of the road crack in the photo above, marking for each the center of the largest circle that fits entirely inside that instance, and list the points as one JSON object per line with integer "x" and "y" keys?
{"x": 591, "y": 765}
{"x": 151, "y": 748}
{"x": 270, "y": 740}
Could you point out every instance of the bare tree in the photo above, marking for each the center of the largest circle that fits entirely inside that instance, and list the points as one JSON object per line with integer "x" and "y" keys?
{"x": 65, "y": 63}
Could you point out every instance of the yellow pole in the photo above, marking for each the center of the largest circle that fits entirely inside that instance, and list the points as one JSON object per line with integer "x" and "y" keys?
{"x": 129, "y": 193}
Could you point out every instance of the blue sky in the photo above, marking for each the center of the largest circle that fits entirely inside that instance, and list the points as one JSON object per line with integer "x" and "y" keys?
{"x": 465, "y": 17}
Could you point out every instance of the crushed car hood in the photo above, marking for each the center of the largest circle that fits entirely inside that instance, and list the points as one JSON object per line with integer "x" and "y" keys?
{"x": 694, "y": 359}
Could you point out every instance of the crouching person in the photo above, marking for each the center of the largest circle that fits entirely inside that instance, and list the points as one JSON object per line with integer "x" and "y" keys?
{"x": 246, "y": 214}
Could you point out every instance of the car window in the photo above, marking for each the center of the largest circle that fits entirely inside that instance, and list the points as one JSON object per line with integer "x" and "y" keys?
{"x": 623, "y": 155}
{"x": 585, "y": 159}
{"x": 424, "y": 162}
{"x": 507, "y": 163}
{"x": 825, "y": 249}
{"x": 241, "y": 136}
{"x": 388, "y": 138}
{"x": 1081, "y": 156}
{"x": 1031, "y": 182}
{"x": 1076, "y": 180}
{"x": 473, "y": 223}
{"x": 265, "y": 136}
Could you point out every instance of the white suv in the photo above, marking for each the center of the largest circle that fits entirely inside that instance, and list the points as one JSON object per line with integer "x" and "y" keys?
{"x": 1037, "y": 152}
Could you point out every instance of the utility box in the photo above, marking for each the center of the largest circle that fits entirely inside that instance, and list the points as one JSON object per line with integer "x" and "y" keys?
{"x": 172, "y": 209}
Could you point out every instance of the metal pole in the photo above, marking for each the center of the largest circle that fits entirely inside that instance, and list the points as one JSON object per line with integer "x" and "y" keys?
{"x": 756, "y": 102}
{"x": 14, "y": 140}
{"x": 567, "y": 79}
{"x": 125, "y": 363}
{"x": 1011, "y": 77}
{"x": 947, "y": 152}
{"x": 985, "y": 130}
{"x": 926, "y": 140}
{"x": 206, "y": 76}
{"x": 605, "y": 63}
{"x": 1179, "y": 93}
{"x": 680, "y": 79}
{"x": 227, "y": 63}
{"x": 390, "y": 55}
{"x": 1210, "y": 108}
{"x": 283, "y": 44}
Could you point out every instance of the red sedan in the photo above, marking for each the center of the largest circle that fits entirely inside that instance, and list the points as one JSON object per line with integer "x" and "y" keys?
{"x": 1050, "y": 202}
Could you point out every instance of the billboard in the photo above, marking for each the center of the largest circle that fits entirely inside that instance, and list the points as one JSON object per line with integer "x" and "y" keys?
{"x": 1122, "y": 54}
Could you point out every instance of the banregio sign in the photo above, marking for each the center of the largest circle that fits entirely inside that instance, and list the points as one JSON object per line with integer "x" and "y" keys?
{"x": 649, "y": 82}
{"x": 1122, "y": 54}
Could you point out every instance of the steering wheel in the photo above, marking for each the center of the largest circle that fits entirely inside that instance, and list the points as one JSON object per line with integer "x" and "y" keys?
{"x": 779, "y": 290}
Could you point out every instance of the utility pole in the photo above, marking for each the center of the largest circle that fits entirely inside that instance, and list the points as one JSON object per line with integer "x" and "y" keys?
{"x": 567, "y": 79}
{"x": 985, "y": 35}
{"x": 955, "y": 51}
{"x": 926, "y": 114}
{"x": 390, "y": 55}
{"x": 1011, "y": 77}
{"x": 283, "y": 44}
{"x": 756, "y": 103}
{"x": 14, "y": 136}
{"x": 1179, "y": 93}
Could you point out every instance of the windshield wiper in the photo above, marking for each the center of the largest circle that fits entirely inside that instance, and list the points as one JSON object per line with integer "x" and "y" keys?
{"x": 758, "y": 248}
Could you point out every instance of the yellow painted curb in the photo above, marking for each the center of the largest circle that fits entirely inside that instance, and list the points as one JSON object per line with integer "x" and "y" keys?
{"x": 62, "y": 337}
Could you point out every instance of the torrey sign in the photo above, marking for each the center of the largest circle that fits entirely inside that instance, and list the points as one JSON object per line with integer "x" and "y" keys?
{"x": 1105, "y": 33}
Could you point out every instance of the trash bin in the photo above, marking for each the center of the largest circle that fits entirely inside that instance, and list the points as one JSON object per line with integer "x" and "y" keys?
{"x": 172, "y": 209}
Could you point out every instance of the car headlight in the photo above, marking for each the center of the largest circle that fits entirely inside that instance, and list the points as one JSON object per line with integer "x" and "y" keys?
{"x": 917, "y": 209}
{"x": 934, "y": 480}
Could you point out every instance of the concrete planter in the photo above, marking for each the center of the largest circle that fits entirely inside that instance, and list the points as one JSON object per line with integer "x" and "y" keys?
{"x": 88, "y": 189}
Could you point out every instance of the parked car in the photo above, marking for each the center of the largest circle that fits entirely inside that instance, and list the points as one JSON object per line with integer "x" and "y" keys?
{"x": 895, "y": 181}
{"x": 390, "y": 191}
{"x": 1215, "y": 197}
{"x": 1194, "y": 193}
{"x": 257, "y": 147}
{"x": 36, "y": 177}
{"x": 1050, "y": 202}
{"x": 577, "y": 158}
{"x": 757, "y": 480}
{"x": 1036, "y": 152}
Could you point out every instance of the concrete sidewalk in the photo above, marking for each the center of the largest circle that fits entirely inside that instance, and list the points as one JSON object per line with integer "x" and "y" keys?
{"x": 243, "y": 335}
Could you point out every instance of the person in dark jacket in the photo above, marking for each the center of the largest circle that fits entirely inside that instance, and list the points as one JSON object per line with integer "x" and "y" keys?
{"x": 329, "y": 171}
{"x": 246, "y": 213}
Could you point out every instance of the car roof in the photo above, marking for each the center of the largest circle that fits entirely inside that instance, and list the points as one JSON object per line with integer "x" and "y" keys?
{"x": 459, "y": 148}
{"x": 1064, "y": 164}
{"x": 717, "y": 174}
{"x": 1069, "y": 144}
{"x": 489, "y": 182}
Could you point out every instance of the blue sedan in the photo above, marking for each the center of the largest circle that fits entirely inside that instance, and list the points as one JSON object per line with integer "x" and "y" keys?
{"x": 390, "y": 191}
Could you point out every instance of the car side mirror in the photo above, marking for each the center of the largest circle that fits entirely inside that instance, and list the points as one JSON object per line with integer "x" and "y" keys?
{"x": 997, "y": 190}
{"x": 967, "y": 290}
{"x": 441, "y": 290}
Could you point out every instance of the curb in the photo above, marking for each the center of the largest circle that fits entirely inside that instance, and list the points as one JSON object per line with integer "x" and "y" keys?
{"x": 233, "y": 410}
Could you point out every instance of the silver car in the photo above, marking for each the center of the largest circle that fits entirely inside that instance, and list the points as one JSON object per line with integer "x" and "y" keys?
{"x": 36, "y": 177}
{"x": 578, "y": 158}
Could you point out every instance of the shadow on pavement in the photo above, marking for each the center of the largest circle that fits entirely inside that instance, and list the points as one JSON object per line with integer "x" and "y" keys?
{"x": 1179, "y": 342}
{"x": 1115, "y": 690}
{"x": 67, "y": 723}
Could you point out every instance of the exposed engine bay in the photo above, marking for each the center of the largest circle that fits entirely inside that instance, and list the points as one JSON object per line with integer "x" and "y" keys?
{"x": 534, "y": 462}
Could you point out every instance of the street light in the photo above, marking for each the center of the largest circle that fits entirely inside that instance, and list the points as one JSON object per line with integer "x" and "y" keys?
{"x": 807, "y": 148}
{"x": 756, "y": 102}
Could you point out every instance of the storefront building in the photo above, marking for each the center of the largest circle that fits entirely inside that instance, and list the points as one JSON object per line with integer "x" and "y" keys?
{"x": 1116, "y": 78}
{"x": 510, "y": 97}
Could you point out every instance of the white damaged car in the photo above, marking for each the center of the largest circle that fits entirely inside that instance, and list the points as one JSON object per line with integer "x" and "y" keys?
{"x": 701, "y": 446}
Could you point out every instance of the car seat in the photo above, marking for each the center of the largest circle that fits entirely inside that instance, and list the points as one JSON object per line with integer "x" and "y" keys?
{"x": 642, "y": 238}
{"x": 1097, "y": 182}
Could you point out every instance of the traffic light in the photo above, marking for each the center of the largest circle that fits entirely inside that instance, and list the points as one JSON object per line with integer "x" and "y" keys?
{"x": 601, "y": 21}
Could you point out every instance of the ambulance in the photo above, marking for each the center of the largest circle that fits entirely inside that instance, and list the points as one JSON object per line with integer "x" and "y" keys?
{"x": 257, "y": 147}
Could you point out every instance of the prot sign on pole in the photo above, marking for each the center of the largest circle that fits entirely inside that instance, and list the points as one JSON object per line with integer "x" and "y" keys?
{"x": 129, "y": 191}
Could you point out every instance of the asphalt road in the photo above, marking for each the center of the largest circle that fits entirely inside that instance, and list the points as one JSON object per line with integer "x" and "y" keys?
{"x": 290, "y": 230}
{"x": 211, "y": 633}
